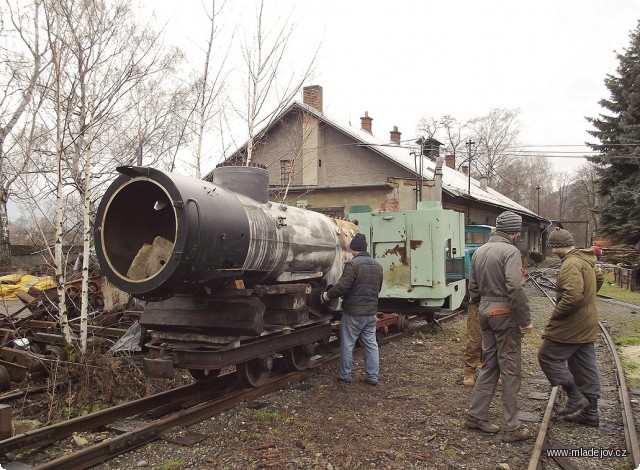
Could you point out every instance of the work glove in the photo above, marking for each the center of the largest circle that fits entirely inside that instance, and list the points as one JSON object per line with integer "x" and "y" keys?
{"x": 324, "y": 298}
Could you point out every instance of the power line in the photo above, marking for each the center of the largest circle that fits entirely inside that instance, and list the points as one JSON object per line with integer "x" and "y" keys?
{"x": 581, "y": 145}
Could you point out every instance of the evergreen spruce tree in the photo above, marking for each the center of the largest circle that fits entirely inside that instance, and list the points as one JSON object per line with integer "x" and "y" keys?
{"x": 619, "y": 149}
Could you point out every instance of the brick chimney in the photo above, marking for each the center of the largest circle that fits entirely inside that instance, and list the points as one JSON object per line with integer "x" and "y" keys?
{"x": 430, "y": 147}
{"x": 395, "y": 135}
{"x": 312, "y": 96}
{"x": 366, "y": 122}
{"x": 450, "y": 161}
{"x": 465, "y": 169}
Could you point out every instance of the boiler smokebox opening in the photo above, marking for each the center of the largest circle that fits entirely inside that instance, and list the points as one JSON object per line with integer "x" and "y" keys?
{"x": 135, "y": 216}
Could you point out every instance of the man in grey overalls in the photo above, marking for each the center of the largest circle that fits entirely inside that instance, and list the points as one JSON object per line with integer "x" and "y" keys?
{"x": 496, "y": 285}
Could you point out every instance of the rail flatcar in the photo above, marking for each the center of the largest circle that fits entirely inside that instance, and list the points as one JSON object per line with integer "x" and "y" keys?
{"x": 231, "y": 278}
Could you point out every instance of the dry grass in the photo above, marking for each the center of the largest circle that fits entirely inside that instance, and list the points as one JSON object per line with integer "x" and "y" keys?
{"x": 96, "y": 381}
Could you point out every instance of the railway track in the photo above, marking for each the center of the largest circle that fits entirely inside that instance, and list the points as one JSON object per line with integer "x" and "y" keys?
{"x": 179, "y": 407}
{"x": 561, "y": 444}
{"x": 548, "y": 446}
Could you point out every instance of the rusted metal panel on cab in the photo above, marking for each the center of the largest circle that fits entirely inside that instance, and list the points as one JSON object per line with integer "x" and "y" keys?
{"x": 400, "y": 251}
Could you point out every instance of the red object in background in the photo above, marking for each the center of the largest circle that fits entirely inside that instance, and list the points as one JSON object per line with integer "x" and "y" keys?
{"x": 596, "y": 249}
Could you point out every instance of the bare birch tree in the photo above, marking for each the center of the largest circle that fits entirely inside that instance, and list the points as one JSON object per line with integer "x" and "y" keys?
{"x": 54, "y": 33}
{"x": 156, "y": 125}
{"x": 20, "y": 66}
{"x": 496, "y": 141}
{"x": 29, "y": 159}
{"x": 519, "y": 178}
{"x": 584, "y": 195}
{"x": 209, "y": 86}
{"x": 107, "y": 56}
{"x": 266, "y": 92}
{"x": 428, "y": 126}
{"x": 447, "y": 130}
{"x": 563, "y": 183}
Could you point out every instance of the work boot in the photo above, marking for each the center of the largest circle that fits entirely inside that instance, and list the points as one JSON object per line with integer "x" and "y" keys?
{"x": 469, "y": 378}
{"x": 520, "y": 434}
{"x": 481, "y": 424}
{"x": 588, "y": 416}
{"x": 576, "y": 401}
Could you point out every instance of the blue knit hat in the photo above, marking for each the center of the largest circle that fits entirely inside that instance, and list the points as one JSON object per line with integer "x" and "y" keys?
{"x": 359, "y": 243}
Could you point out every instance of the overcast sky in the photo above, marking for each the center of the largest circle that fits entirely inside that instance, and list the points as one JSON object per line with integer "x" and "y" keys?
{"x": 406, "y": 59}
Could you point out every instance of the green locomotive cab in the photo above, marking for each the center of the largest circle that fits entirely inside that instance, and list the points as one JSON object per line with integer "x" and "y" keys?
{"x": 422, "y": 253}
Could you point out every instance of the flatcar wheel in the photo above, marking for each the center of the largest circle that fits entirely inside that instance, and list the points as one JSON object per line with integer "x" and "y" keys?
{"x": 5, "y": 379}
{"x": 255, "y": 372}
{"x": 205, "y": 376}
{"x": 403, "y": 323}
{"x": 297, "y": 358}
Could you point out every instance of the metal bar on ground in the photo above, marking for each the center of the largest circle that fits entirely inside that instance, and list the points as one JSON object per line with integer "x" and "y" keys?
{"x": 630, "y": 434}
{"x": 535, "y": 461}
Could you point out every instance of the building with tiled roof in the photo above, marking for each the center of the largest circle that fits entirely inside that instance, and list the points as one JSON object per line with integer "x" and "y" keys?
{"x": 324, "y": 164}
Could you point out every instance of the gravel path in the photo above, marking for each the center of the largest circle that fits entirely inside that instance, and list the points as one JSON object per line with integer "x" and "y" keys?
{"x": 414, "y": 419}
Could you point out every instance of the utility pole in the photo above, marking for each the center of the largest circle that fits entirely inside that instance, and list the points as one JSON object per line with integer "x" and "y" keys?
{"x": 421, "y": 170}
{"x": 419, "y": 165}
{"x": 538, "y": 212}
{"x": 469, "y": 144}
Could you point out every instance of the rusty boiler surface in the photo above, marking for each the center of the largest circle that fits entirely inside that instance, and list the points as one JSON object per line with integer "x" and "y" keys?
{"x": 287, "y": 239}
{"x": 345, "y": 231}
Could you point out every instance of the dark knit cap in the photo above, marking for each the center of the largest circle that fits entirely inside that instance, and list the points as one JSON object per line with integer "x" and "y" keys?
{"x": 509, "y": 222}
{"x": 560, "y": 238}
{"x": 359, "y": 243}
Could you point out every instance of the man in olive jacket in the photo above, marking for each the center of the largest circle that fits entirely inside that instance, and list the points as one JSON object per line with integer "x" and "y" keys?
{"x": 358, "y": 286}
{"x": 567, "y": 355}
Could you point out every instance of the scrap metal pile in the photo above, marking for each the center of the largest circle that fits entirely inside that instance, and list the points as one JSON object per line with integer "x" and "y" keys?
{"x": 625, "y": 255}
{"x": 31, "y": 337}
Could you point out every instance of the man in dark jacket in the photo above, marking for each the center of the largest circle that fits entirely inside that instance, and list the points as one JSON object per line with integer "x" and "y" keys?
{"x": 358, "y": 286}
{"x": 496, "y": 285}
{"x": 567, "y": 355}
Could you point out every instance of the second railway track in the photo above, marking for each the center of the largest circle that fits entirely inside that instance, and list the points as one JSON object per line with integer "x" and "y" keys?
{"x": 567, "y": 445}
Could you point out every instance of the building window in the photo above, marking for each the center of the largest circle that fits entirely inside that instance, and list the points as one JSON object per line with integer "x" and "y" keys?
{"x": 336, "y": 212}
{"x": 286, "y": 170}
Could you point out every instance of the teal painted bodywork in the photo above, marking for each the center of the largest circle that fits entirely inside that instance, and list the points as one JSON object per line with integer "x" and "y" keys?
{"x": 475, "y": 237}
{"x": 422, "y": 253}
